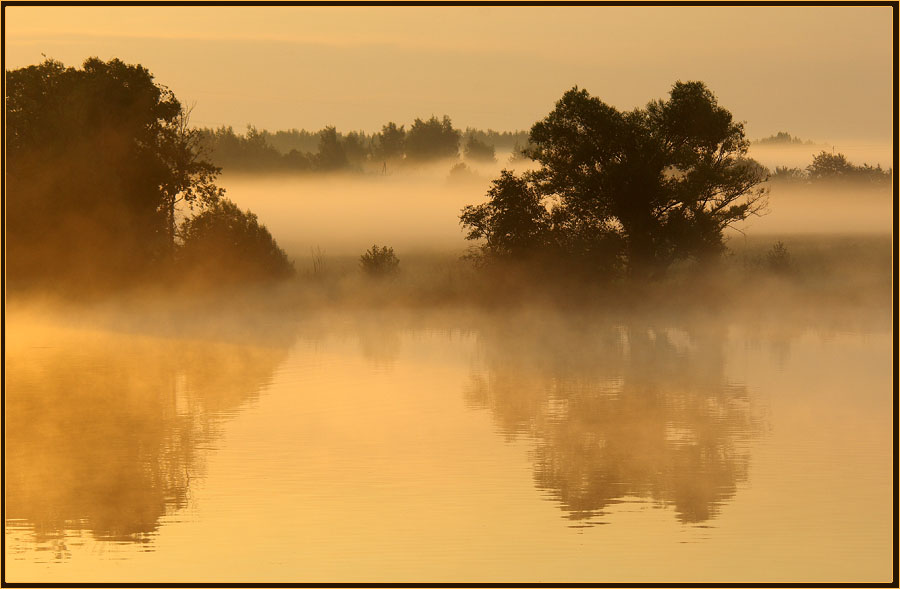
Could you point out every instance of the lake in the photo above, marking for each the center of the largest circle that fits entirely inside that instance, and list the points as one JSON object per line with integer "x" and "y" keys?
{"x": 522, "y": 445}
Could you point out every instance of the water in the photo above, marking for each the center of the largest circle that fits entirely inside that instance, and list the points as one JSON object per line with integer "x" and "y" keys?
{"x": 523, "y": 446}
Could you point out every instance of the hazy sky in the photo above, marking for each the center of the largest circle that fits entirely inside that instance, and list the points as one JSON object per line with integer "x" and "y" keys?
{"x": 822, "y": 73}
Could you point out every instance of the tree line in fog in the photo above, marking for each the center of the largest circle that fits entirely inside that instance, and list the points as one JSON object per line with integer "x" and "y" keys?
{"x": 109, "y": 186}
{"x": 330, "y": 150}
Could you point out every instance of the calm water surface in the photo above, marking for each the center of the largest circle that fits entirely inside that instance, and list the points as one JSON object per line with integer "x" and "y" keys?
{"x": 514, "y": 447}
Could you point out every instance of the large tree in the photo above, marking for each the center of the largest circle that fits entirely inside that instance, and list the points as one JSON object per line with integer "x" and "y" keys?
{"x": 99, "y": 160}
{"x": 647, "y": 186}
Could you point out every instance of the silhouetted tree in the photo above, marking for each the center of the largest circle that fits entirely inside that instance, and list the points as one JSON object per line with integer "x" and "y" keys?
{"x": 478, "y": 151}
{"x": 513, "y": 222}
{"x": 390, "y": 142}
{"x": 379, "y": 261}
{"x": 331, "y": 154}
{"x": 830, "y": 166}
{"x": 432, "y": 139}
{"x": 659, "y": 183}
{"x": 355, "y": 147}
{"x": 782, "y": 138}
{"x": 786, "y": 174}
{"x": 226, "y": 244}
{"x": 99, "y": 161}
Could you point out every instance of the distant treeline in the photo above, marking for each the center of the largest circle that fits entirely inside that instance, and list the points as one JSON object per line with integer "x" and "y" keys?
{"x": 782, "y": 138}
{"x": 331, "y": 150}
{"x": 831, "y": 167}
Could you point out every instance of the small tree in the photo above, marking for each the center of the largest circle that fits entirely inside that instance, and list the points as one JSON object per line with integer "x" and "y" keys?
{"x": 513, "y": 222}
{"x": 829, "y": 166}
{"x": 226, "y": 244}
{"x": 379, "y": 262}
{"x": 778, "y": 259}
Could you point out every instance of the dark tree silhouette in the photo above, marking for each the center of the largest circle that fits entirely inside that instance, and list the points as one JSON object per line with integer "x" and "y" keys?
{"x": 379, "y": 262}
{"x": 478, "y": 151}
{"x": 390, "y": 142}
{"x": 224, "y": 243}
{"x": 830, "y": 166}
{"x": 649, "y": 186}
{"x": 331, "y": 154}
{"x": 432, "y": 139}
{"x": 99, "y": 161}
{"x": 513, "y": 222}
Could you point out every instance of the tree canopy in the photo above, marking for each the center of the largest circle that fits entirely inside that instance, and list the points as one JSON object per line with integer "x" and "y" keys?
{"x": 224, "y": 243}
{"x": 102, "y": 167}
{"x": 432, "y": 139}
{"x": 638, "y": 189}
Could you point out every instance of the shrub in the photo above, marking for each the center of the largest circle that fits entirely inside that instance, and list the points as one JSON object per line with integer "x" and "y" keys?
{"x": 379, "y": 261}
{"x": 778, "y": 259}
{"x": 226, "y": 244}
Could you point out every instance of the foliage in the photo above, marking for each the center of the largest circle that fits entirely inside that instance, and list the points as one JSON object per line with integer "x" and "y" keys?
{"x": 356, "y": 148}
{"x": 830, "y": 166}
{"x": 390, "y": 142}
{"x": 478, "y": 151}
{"x": 379, "y": 261}
{"x": 647, "y": 187}
{"x": 782, "y": 138}
{"x": 331, "y": 154}
{"x": 461, "y": 173}
{"x": 432, "y": 139}
{"x": 778, "y": 259}
{"x": 785, "y": 174}
{"x": 513, "y": 222}
{"x": 304, "y": 151}
{"x": 100, "y": 161}
{"x": 226, "y": 244}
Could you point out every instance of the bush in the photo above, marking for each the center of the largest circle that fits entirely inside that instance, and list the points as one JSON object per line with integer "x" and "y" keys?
{"x": 778, "y": 259}
{"x": 226, "y": 244}
{"x": 379, "y": 261}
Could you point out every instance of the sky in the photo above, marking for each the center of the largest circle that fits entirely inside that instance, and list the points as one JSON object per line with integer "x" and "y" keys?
{"x": 818, "y": 72}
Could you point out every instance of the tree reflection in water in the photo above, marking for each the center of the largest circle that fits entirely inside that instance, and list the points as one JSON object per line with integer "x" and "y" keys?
{"x": 104, "y": 431}
{"x": 619, "y": 412}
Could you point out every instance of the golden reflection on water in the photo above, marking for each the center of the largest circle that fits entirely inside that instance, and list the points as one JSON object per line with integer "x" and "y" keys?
{"x": 105, "y": 431}
{"x": 619, "y": 411}
{"x": 513, "y": 447}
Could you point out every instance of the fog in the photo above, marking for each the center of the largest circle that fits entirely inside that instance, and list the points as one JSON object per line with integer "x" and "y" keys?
{"x": 344, "y": 214}
{"x": 801, "y": 155}
{"x": 304, "y": 371}
{"x": 417, "y": 211}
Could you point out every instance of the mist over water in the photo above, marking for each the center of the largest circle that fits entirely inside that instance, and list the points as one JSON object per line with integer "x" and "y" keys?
{"x": 340, "y": 428}
{"x": 453, "y": 445}
{"x": 418, "y": 211}
{"x": 344, "y": 214}
{"x": 639, "y": 357}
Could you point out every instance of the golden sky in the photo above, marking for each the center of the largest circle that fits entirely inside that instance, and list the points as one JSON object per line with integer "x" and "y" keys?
{"x": 820, "y": 72}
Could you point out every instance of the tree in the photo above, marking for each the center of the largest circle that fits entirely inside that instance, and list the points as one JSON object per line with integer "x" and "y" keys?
{"x": 432, "y": 139}
{"x": 226, "y": 244}
{"x": 391, "y": 142}
{"x": 100, "y": 160}
{"x": 479, "y": 151}
{"x": 331, "y": 154}
{"x": 829, "y": 166}
{"x": 355, "y": 148}
{"x": 513, "y": 222}
{"x": 379, "y": 262}
{"x": 649, "y": 186}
